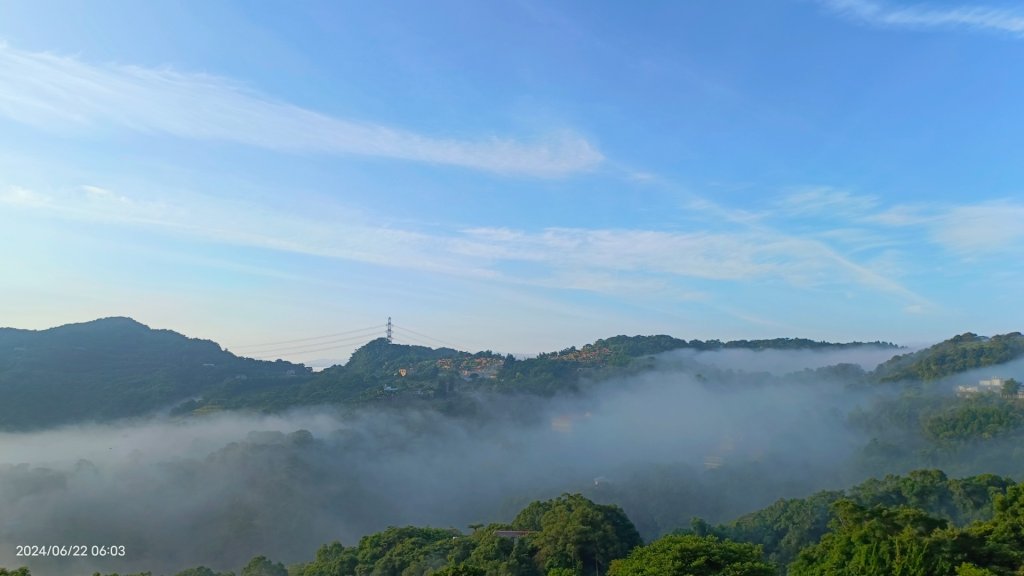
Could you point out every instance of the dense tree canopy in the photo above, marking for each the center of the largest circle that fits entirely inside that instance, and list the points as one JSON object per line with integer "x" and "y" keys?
{"x": 881, "y": 541}
{"x": 906, "y": 541}
{"x": 692, "y": 555}
{"x": 261, "y": 566}
{"x": 788, "y": 526}
{"x": 203, "y": 571}
{"x": 957, "y": 354}
{"x": 574, "y": 533}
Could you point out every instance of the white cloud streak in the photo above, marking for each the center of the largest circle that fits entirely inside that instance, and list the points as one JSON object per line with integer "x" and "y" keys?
{"x": 19, "y": 196}
{"x": 714, "y": 256}
{"x": 982, "y": 228}
{"x": 66, "y": 94}
{"x": 966, "y": 230}
{"x": 821, "y": 201}
{"x": 920, "y": 16}
{"x": 628, "y": 263}
{"x": 621, "y": 262}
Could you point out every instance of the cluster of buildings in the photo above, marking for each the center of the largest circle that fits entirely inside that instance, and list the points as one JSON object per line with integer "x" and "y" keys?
{"x": 589, "y": 354}
{"x": 990, "y": 386}
{"x": 480, "y": 367}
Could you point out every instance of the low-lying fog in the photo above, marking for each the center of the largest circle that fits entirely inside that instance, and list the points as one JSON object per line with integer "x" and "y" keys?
{"x": 786, "y": 361}
{"x": 699, "y": 436}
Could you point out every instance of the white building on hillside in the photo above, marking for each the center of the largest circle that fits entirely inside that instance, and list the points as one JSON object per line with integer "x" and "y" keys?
{"x": 990, "y": 386}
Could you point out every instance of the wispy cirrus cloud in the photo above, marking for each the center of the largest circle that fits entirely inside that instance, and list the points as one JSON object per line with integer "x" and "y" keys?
{"x": 817, "y": 201}
{"x": 864, "y": 222}
{"x": 902, "y": 215}
{"x": 65, "y": 93}
{"x": 924, "y": 16}
{"x": 840, "y": 240}
{"x": 699, "y": 254}
{"x": 23, "y": 197}
{"x": 969, "y": 231}
{"x": 622, "y": 262}
{"x": 987, "y": 227}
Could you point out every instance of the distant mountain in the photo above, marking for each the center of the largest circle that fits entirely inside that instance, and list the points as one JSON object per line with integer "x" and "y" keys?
{"x": 958, "y": 354}
{"x": 620, "y": 349}
{"x": 112, "y": 368}
{"x": 116, "y": 367}
{"x": 397, "y": 374}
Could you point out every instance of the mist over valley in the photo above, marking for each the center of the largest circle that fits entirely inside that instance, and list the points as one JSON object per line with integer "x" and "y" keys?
{"x": 666, "y": 430}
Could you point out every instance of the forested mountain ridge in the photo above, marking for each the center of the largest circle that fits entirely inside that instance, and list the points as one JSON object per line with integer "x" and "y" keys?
{"x": 111, "y": 368}
{"x": 116, "y": 367}
{"x": 400, "y": 374}
{"x": 958, "y": 354}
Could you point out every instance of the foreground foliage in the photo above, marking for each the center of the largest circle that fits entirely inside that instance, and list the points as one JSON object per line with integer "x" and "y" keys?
{"x": 923, "y": 524}
{"x": 693, "y": 556}
{"x": 788, "y": 526}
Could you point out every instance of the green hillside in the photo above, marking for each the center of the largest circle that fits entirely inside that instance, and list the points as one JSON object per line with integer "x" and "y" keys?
{"x": 399, "y": 374}
{"x": 958, "y": 354}
{"x": 113, "y": 368}
{"x": 116, "y": 367}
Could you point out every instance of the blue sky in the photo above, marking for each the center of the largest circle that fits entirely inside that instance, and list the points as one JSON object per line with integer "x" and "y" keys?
{"x": 518, "y": 176}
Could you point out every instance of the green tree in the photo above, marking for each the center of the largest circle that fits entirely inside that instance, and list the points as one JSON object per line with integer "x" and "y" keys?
{"x": 881, "y": 542}
{"x": 202, "y": 571}
{"x": 575, "y": 533}
{"x": 408, "y": 551}
{"x": 1001, "y": 539}
{"x": 502, "y": 556}
{"x": 261, "y": 566}
{"x": 1010, "y": 388}
{"x": 331, "y": 560}
{"x": 692, "y": 555}
{"x": 967, "y": 569}
{"x": 460, "y": 570}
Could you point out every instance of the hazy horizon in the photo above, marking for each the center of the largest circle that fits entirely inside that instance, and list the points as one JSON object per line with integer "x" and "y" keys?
{"x": 324, "y": 362}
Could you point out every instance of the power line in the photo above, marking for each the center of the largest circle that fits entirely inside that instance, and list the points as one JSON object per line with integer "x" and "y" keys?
{"x": 456, "y": 346}
{"x": 341, "y": 340}
{"x": 302, "y": 347}
{"x": 275, "y": 356}
{"x": 402, "y": 339}
{"x": 314, "y": 348}
{"x": 269, "y": 344}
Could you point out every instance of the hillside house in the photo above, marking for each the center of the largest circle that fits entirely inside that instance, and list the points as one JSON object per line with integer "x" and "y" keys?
{"x": 990, "y": 386}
